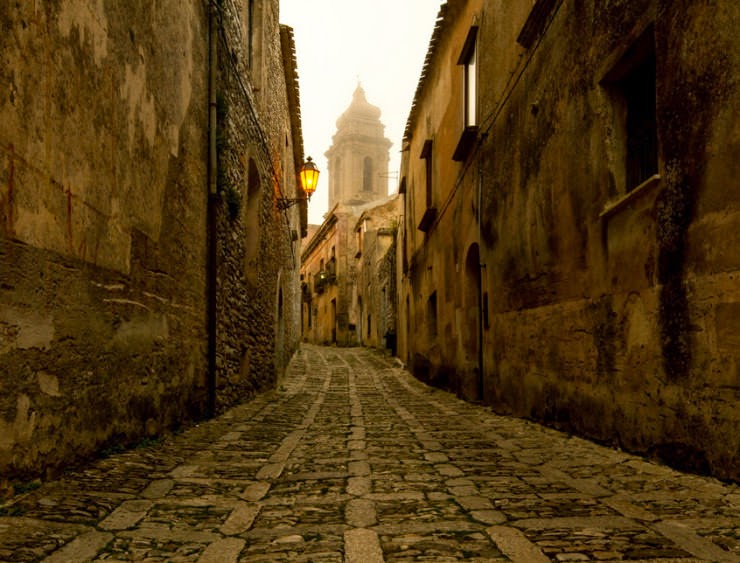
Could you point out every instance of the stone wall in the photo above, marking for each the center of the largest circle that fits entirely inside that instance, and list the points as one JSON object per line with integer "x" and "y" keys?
{"x": 103, "y": 224}
{"x": 258, "y": 261}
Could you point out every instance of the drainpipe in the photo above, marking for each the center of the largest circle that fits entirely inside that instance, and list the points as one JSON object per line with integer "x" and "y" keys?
{"x": 481, "y": 265}
{"x": 211, "y": 221}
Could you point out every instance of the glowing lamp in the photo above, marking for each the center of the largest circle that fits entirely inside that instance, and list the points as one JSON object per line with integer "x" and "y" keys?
{"x": 309, "y": 176}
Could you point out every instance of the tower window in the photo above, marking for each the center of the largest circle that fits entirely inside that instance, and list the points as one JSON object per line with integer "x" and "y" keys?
{"x": 367, "y": 175}
{"x": 338, "y": 180}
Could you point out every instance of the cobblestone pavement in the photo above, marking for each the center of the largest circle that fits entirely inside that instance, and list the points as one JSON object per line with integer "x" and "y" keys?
{"x": 354, "y": 460}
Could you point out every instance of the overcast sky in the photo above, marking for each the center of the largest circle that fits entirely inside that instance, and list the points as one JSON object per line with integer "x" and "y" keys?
{"x": 380, "y": 42}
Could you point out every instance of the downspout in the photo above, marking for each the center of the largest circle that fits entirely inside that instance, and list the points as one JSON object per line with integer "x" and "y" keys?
{"x": 211, "y": 235}
{"x": 481, "y": 265}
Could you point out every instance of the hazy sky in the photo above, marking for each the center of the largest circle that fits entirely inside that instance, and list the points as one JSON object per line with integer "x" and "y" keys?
{"x": 380, "y": 42}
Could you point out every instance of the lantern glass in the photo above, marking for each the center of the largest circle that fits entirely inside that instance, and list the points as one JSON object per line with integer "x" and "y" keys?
{"x": 309, "y": 176}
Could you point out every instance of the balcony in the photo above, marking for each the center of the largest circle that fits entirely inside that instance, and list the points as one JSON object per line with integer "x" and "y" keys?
{"x": 324, "y": 279}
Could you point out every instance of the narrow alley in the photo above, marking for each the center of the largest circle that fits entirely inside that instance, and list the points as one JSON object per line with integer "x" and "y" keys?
{"x": 352, "y": 459}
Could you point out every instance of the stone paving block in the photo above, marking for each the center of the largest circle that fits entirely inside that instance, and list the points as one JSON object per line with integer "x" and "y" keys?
{"x": 82, "y": 548}
{"x": 184, "y": 471}
{"x": 474, "y": 503}
{"x": 689, "y": 541}
{"x": 356, "y": 445}
{"x": 359, "y": 486}
{"x": 515, "y": 545}
{"x": 468, "y": 491}
{"x": 223, "y": 551}
{"x": 449, "y": 470}
{"x": 256, "y": 491}
{"x": 488, "y": 517}
{"x": 436, "y": 457}
{"x": 127, "y": 515}
{"x": 358, "y": 455}
{"x": 362, "y": 546}
{"x": 158, "y": 488}
{"x": 240, "y": 519}
{"x": 360, "y": 513}
{"x": 358, "y": 468}
{"x": 626, "y": 508}
{"x": 270, "y": 471}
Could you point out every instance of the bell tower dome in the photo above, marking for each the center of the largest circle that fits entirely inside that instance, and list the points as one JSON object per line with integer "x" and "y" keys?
{"x": 358, "y": 158}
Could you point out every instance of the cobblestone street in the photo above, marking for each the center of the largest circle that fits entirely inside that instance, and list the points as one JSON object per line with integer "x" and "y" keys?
{"x": 351, "y": 459}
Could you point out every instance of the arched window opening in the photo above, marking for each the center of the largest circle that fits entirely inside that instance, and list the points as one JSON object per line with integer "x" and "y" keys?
{"x": 251, "y": 222}
{"x": 367, "y": 175}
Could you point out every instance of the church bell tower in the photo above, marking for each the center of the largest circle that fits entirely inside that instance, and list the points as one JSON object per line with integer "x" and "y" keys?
{"x": 358, "y": 158}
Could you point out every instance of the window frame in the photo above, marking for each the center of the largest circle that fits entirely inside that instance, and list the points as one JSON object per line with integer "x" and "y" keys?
{"x": 627, "y": 90}
{"x": 468, "y": 59}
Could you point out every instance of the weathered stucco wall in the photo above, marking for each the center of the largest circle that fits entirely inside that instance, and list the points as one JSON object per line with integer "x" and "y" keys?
{"x": 375, "y": 264}
{"x": 319, "y": 323}
{"x": 626, "y": 301}
{"x": 102, "y": 216}
{"x": 610, "y": 314}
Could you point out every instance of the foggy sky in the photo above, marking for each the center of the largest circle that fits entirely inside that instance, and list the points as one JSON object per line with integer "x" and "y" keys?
{"x": 380, "y": 42}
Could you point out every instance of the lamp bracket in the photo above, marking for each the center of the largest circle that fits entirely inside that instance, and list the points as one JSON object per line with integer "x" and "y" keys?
{"x": 286, "y": 202}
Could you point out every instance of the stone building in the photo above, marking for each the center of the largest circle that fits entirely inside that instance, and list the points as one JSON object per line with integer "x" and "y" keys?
{"x": 142, "y": 283}
{"x": 570, "y": 249}
{"x": 358, "y": 183}
{"x": 374, "y": 297}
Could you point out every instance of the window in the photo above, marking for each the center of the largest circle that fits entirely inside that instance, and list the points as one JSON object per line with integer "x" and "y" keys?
{"x": 426, "y": 154}
{"x": 252, "y": 222}
{"x": 631, "y": 86}
{"x": 642, "y": 137}
{"x": 430, "y": 213}
{"x": 537, "y": 21}
{"x": 468, "y": 59}
{"x": 335, "y": 180}
{"x": 471, "y": 88}
{"x": 367, "y": 174}
{"x": 432, "y": 315}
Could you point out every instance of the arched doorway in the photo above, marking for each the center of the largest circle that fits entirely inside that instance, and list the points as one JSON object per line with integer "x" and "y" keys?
{"x": 473, "y": 322}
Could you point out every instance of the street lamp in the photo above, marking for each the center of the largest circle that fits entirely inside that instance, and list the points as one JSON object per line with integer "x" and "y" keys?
{"x": 309, "y": 178}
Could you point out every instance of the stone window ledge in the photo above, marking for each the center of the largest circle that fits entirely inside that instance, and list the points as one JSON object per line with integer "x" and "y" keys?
{"x": 614, "y": 207}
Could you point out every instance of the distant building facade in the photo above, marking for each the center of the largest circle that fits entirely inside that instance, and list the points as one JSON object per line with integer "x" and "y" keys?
{"x": 116, "y": 234}
{"x": 374, "y": 301}
{"x": 358, "y": 183}
{"x": 569, "y": 250}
